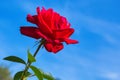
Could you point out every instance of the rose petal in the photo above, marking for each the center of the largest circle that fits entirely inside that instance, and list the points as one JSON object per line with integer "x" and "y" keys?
{"x": 45, "y": 29}
{"x": 32, "y": 19}
{"x": 70, "y": 41}
{"x": 63, "y": 23}
{"x": 65, "y": 33}
{"x": 47, "y": 17}
{"x": 55, "y": 21}
{"x": 31, "y": 32}
{"x": 57, "y": 47}
{"x": 53, "y": 47}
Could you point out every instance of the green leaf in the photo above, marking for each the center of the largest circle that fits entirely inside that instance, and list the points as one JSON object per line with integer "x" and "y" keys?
{"x": 19, "y": 74}
{"x": 37, "y": 72}
{"x": 15, "y": 59}
{"x": 48, "y": 76}
{"x": 30, "y": 57}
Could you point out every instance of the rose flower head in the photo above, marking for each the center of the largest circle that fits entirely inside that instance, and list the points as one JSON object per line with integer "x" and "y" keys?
{"x": 50, "y": 26}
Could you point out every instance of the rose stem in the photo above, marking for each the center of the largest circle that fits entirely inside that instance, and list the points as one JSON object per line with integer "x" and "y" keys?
{"x": 29, "y": 63}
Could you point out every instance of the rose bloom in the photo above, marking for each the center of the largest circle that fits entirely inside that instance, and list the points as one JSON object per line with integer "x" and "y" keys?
{"x": 50, "y": 26}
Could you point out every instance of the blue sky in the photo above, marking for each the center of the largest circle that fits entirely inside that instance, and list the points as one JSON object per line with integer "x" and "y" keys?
{"x": 97, "y": 28}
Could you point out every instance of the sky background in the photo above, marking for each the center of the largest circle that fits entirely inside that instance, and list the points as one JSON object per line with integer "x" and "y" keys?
{"x": 97, "y": 28}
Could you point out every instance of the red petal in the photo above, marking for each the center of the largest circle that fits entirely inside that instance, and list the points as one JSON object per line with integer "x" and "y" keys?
{"x": 55, "y": 21}
{"x": 57, "y": 47}
{"x": 53, "y": 47}
{"x": 65, "y": 33}
{"x": 43, "y": 26}
{"x": 47, "y": 16}
{"x": 63, "y": 23}
{"x": 32, "y": 19}
{"x": 70, "y": 41}
{"x": 38, "y": 10}
{"x": 31, "y": 32}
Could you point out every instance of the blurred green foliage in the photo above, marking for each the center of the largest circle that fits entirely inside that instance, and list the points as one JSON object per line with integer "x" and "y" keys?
{"x": 5, "y": 73}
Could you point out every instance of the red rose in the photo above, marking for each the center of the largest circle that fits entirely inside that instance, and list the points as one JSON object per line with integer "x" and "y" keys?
{"x": 51, "y": 27}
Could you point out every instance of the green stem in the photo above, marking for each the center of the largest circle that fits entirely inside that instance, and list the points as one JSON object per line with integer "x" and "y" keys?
{"x": 29, "y": 63}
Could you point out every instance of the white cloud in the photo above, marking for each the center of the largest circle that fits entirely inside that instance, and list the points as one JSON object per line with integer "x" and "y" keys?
{"x": 111, "y": 75}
